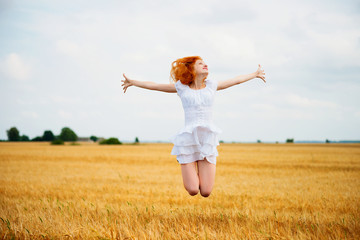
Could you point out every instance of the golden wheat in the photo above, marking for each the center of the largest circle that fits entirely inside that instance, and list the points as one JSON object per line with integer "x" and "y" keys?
{"x": 262, "y": 191}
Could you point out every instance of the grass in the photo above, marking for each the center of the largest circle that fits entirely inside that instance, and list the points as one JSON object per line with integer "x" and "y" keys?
{"x": 262, "y": 191}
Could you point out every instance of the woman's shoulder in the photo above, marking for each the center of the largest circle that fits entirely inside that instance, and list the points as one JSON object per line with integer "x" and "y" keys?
{"x": 211, "y": 83}
{"x": 180, "y": 86}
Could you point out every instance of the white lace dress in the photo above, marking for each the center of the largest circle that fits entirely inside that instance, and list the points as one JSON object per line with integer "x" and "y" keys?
{"x": 198, "y": 139}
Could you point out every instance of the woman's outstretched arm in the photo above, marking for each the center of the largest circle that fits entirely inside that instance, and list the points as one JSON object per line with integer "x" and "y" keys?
{"x": 163, "y": 87}
{"x": 242, "y": 78}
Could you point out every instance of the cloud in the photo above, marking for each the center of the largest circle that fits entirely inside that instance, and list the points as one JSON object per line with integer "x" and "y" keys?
{"x": 297, "y": 101}
{"x": 15, "y": 67}
{"x": 69, "y": 100}
{"x": 63, "y": 114}
{"x": 30, "y": 114}
{"x": 5, "y": 5}
{"x": 67, "y": 48}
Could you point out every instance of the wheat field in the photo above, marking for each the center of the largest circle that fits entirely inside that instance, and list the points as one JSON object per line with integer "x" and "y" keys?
{"x": 262, "y": 191}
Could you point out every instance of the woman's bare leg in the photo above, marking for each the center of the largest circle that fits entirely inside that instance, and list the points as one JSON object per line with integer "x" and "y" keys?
{"x": 206, "y": 177}
{"x": 190, "y": 178}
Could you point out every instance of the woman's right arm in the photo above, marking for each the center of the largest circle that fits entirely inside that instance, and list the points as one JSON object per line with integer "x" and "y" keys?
{"x": 163, "y": 87}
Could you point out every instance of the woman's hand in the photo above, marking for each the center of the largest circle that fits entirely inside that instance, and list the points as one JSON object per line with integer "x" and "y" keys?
{"x": 126, "y": 83}
{"x": 260, "y": 73}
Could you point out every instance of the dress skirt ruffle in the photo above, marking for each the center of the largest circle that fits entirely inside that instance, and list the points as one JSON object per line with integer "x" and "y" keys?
{"x": 195, "y": 143}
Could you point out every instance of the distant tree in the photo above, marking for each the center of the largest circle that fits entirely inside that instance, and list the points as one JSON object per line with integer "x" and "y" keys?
{"x": 290, "y": 140}
{"x": 258, "y": 141}
{"x": 94, "y": 138}
{"x": 37, "y": 139}
{"x": 327, "y": 141}
{"x": 57, "y": 142}
{"x": 110, "y": 141}
{"x": 137, "y": 140}
{"x": 13, "y": 134}
{"x": 67, "y": 134}
{"x": 24, "y": 138}
{"x": 221, "y": 141}
{"x": 48, "y": 136}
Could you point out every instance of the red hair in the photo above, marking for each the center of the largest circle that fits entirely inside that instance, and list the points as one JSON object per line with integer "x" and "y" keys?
{"x": 183, "y": 69}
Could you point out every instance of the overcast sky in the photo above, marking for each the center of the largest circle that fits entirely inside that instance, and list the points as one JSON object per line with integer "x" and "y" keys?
{"x": 61, "y": 64}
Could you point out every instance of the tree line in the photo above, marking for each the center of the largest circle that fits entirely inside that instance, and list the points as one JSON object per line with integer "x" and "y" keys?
{"x": 66, "y": 135}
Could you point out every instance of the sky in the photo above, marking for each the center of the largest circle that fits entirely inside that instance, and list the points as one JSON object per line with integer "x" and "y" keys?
{"x": 61, "y": 65}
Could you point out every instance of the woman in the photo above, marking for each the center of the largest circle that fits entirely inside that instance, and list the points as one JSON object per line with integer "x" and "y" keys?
{"x": 195, "y": 145}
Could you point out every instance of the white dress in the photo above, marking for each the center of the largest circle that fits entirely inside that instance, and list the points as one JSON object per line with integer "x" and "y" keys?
{"x": 198, "y": 139}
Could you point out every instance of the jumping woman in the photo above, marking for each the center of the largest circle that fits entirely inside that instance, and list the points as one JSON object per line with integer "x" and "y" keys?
{"x": 195, "y": 145}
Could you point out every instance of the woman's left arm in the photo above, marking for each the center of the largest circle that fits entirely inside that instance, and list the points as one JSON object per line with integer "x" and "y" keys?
{"x": 241, "y": 79}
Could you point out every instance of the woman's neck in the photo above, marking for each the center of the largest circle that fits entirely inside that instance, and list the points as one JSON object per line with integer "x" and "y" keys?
{"x": 198, "y": 82}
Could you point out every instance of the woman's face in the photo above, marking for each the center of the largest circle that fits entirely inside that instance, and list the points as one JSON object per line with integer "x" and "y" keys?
{"x": 201, "y": 68}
